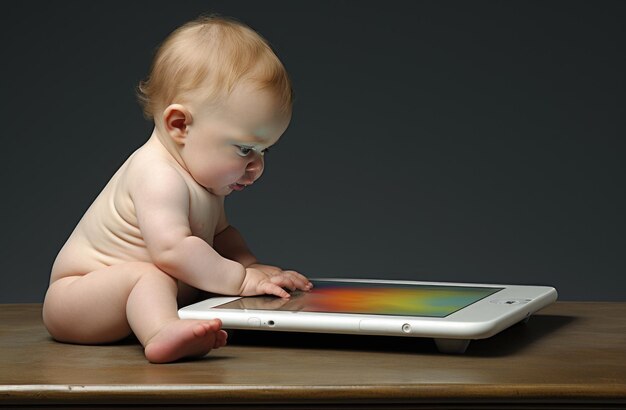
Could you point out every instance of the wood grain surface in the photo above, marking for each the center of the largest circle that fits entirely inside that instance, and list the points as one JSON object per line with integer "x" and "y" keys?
{"x": 569, "y": 354}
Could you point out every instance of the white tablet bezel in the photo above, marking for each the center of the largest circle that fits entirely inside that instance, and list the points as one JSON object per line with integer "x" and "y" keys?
{"x": 482, "y": 319}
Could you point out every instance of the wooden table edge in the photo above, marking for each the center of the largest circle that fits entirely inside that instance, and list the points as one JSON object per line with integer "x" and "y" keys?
{"x": 217, "y": 394}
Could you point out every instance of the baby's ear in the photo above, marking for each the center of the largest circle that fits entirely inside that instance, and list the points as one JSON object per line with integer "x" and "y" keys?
{"x": 177, "y": 118}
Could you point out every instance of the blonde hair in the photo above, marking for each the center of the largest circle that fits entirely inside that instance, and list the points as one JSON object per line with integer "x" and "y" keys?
{"x": 214, "y": 54}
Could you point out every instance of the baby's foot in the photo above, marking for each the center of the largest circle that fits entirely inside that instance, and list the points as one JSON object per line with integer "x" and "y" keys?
{"x": 185, "y": 338}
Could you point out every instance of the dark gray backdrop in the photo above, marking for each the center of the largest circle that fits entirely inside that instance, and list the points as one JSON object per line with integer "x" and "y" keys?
{"x": 432, "y": 140}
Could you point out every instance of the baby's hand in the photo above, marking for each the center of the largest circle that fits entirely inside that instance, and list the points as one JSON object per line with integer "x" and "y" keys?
{"x": 264, "y": 279}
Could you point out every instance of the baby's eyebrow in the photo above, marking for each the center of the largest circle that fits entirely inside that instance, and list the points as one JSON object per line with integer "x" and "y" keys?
{"x": 253, "y": 141}
{"x": 248, "y": 140}
{"x": 256, "y": 138}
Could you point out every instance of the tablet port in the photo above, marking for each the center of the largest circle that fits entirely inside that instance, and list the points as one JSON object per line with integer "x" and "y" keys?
{"x": 270, "y": 323}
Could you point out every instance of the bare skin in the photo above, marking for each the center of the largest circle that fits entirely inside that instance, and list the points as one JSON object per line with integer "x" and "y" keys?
{"x": 158, "y": 233}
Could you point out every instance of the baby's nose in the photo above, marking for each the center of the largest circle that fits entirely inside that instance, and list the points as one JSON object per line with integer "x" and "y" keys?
{"x": 255, "y": 166}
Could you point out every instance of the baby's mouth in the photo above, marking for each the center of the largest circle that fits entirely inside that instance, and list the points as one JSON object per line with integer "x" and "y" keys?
{"x": 237, "y": 187}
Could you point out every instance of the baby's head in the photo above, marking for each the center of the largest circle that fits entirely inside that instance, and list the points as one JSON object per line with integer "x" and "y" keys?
{"x": 209, "y": 56}
{"x": 214, "y": 81}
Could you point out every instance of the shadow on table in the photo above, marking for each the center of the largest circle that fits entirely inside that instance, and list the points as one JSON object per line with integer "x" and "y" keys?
{"x": 509, "y": 341}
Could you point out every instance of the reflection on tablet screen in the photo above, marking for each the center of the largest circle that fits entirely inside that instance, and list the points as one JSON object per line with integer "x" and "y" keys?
{"x": 371, "y": 298}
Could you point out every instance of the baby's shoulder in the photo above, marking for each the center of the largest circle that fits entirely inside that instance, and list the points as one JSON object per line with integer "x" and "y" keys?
{"x": 146, "y": 169}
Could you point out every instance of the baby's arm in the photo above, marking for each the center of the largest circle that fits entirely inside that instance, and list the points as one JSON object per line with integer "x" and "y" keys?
{"x": 230, "y": 244}
{"x": 161, "y": 200}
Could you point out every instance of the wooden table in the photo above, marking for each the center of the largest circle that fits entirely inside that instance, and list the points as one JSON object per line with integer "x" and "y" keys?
{"x": 570, "y": 355}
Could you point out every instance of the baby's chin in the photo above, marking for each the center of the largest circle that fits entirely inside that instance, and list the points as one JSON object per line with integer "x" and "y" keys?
{"x": 223, "y": 191}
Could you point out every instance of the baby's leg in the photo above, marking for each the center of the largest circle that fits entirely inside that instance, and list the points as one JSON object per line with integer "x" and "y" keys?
{"x": 108, "y": 304}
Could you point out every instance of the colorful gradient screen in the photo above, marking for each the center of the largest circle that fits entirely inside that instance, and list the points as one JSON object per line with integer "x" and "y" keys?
{"x": 371, "y": 299}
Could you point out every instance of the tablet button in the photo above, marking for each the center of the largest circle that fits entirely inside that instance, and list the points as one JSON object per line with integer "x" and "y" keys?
{"x": 510, "y": 301}
{"x": 254, "y": 322}
{"x": 406, "y": 328}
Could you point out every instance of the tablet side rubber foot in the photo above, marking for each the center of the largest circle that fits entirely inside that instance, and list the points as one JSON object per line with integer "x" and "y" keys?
{"x": 452, "y": 346}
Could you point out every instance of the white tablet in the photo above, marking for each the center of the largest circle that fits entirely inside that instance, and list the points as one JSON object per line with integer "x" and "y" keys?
{"x": 451, "y": 313}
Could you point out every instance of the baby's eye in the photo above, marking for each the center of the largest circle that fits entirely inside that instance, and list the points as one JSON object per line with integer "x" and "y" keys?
{"x": 244, "y": 151}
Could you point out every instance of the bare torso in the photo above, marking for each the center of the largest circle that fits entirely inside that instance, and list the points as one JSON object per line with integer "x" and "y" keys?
{"x": 108, "y": 234}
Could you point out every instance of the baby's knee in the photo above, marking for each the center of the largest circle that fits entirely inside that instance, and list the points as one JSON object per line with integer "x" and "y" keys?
{"x": 56, "y": 321}
{"x": 53, "y": 308}
{"x": 57, "y": 325}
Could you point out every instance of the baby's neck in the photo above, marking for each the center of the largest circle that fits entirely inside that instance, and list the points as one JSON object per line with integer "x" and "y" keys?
{"x": 165, "y": 146}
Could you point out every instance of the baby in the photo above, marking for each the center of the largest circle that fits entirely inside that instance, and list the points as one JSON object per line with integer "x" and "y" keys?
{"x": 157, "y": 235}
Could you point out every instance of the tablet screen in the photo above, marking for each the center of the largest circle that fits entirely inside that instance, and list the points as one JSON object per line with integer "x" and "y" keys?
{"x": 371, "y": 298}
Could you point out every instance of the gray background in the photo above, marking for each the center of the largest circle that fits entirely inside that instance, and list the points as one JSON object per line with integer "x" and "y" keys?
{"x": 431, "y": 140}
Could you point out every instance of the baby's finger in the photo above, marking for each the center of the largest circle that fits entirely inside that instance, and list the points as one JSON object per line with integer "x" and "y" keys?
{"x": 298, "y": 275}
{"x": 301, "y": 281}
{"x": 284, "y": 280}
{"x": 273, "y": 289}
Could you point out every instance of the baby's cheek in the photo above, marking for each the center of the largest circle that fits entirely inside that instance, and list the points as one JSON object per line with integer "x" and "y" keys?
{"x": 224, "y": 175}
{"x": 231, "y": 172}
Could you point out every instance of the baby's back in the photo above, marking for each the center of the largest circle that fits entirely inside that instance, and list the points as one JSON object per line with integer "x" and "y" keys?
{"x": 109, "y": 234}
